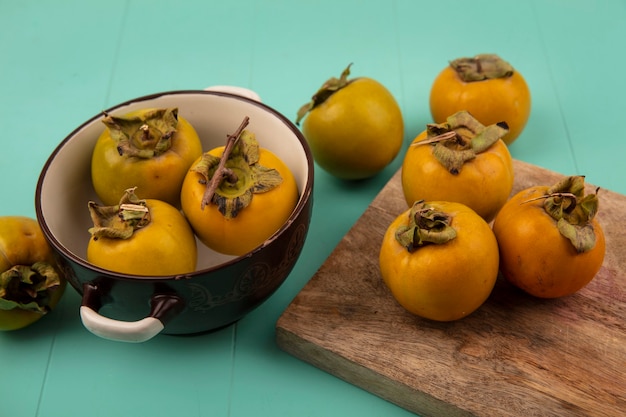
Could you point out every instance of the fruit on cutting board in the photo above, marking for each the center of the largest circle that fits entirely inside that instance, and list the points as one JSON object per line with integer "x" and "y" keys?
{"x": 236, "y": 196}
{"x": 460, "y": 160}
{"x": 439, "y": 260}
{"x": 551, "y": 244}
{"x": 150, "y": 149}
{"x": 353, "y": 126}
{"x": 31, "y": 283}
{"x": 141, "y": 237}
{"x": 486, "y": 86}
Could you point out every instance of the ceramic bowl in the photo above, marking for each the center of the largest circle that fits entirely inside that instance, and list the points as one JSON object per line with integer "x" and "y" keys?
{"x": 223, "y": 289}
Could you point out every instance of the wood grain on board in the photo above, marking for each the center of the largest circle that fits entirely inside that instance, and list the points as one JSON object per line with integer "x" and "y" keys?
{"x": 516, "y": 356}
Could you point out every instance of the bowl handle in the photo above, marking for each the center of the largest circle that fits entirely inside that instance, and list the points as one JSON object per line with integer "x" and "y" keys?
{"x": 163, "y": 307}
{"x": 239, "y": 91}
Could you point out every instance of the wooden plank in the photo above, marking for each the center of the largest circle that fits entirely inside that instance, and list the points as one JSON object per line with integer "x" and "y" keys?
{"x": 517, "y": 355}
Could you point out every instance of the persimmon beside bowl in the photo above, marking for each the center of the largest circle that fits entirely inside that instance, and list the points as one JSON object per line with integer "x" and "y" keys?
{"x": 223, "y": 289}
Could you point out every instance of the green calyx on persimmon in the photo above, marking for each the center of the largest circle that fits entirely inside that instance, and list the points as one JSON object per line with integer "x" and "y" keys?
{"x": 482, "y": 67}
{"x": 28, "y": 287}
{"x": 144, "y": 135}
{"x": 573, "y": 211}
{"x": 460, "y": 138}
{"x": 426, "y": 225}
{"x": 119, "y": 221}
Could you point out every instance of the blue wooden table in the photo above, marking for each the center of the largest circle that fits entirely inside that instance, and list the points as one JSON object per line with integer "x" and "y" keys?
{"x": 63, "y": 61}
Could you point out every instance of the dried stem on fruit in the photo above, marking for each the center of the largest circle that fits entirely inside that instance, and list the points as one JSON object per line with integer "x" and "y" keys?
{"x": 222, "y": 172}
{"x": 233, "y": 178}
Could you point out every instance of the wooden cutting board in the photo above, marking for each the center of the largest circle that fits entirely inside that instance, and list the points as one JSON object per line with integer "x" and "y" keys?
{"x": 515, "y": 356}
